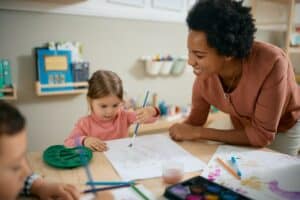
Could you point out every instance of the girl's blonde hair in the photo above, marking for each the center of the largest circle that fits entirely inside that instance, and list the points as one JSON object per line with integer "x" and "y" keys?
{"x": 104, "y": 83}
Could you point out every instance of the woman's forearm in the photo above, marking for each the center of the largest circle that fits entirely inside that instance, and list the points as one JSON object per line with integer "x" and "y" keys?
{"x": 237, "y": 137}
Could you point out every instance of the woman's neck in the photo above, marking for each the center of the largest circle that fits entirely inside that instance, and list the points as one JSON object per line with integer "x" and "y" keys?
{"x": 231, "y": 74}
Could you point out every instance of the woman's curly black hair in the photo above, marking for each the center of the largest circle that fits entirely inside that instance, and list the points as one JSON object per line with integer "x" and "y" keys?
{"x": 228, "y": 25}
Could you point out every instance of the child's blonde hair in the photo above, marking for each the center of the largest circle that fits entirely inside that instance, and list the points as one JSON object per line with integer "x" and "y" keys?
{"x": 104, "y": 83}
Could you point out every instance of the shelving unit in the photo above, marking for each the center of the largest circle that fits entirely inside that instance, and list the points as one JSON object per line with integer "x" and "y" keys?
{"x": 272, "y": 27}
{"x": 78, "y": 88}
{"x": 9, "y": 93}
{"x": 288, "y": 27}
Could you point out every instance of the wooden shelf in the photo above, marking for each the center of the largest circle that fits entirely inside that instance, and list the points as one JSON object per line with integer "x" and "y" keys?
{"x": 78, "y": 88}
{"x": 278, "y": 1}
{"x": 288, "y": 28}
{"x": 281, "y": 1}
{"x": 281, "y": 27}
{"x": 9, "y": 93}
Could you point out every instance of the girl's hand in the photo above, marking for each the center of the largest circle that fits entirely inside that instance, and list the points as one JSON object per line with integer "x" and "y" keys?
{"x": 144, "y": 114}
{"x": 59, "y": 191}
{"x": 95, "y": 144}
{"x": 182, "y": 131}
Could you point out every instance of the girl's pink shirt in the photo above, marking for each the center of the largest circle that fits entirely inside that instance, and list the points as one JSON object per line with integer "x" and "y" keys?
{"x": 92, "y": 126}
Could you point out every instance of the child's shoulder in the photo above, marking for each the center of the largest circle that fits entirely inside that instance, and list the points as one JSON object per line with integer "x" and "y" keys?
{"x": 84, "y": 119}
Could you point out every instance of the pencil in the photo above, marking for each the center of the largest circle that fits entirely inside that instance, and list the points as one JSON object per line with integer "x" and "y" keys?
{"x": 85, "y": 164}
{"x": 138, "y": 124}
{"x": 228, "y": 168}
{"x": 139, "y": 192}
{"x": 109, "y": 182}
{"x": 106, "y": 188}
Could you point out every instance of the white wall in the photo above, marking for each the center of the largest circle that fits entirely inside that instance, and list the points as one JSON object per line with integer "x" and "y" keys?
{"x": 114, "y": 44}
{"x": 108, "y": 43}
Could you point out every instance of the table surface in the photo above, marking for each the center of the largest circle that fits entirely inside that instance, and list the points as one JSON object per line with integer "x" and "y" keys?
{"x": 102, "y": 169}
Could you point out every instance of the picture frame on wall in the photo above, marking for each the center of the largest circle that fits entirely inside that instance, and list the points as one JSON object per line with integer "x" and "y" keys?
{"x": 172, "y": 5}
{"x": 133, "y": 3}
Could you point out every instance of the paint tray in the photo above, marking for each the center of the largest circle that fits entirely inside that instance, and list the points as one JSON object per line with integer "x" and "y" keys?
{"x": 61, "y": 157}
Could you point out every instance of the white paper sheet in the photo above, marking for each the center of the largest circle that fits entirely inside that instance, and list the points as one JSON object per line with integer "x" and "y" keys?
{"x": 146, "y": 158}
{"x": 265, "y": 175}
{"x": 124, "y": 194}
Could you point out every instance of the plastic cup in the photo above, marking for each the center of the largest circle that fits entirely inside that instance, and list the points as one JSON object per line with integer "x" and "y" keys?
{"x": 172, "y": 172}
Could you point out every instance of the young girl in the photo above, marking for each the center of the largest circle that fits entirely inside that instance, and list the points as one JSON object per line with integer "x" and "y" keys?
{"x": 108, "y": 120}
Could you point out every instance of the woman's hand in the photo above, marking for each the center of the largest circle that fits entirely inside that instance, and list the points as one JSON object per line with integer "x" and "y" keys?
{"x": 182, "y": 131}
{"x": 47, "y": 191}
{"x": 144, "y": 114}
{"x": 95, "y": 144}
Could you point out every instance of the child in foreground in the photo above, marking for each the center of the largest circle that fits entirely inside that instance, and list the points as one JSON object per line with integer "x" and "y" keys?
{"x": 16, "y": 176}
{"x": 108, "y": 120}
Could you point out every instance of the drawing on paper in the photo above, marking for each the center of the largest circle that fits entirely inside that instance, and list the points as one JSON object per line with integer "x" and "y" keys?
{"x": 265, "y": 175}
{"x": 146, "y": 158}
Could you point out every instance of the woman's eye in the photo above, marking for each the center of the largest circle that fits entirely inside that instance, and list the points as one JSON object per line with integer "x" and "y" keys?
{"x": 103, "y": 106}
{"x": 115, "y": 105}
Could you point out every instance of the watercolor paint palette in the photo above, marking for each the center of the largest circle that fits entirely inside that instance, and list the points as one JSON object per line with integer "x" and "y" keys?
{"x": 199, "y": 188}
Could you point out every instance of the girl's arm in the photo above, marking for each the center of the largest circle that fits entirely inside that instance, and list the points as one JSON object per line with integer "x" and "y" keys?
{"x": 77, "y": 133}
{"x": 148, "y": 114}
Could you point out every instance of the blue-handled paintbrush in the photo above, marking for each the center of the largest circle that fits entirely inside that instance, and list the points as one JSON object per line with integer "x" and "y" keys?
{"x": 85, "y": 165}
{"x": 138, "y": 124}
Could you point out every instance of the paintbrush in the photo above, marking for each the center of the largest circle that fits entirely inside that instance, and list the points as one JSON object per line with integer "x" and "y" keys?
{"x": 138, "y": 124}
{"x": 94, "y": 190}
{"x": 85, "y": 165}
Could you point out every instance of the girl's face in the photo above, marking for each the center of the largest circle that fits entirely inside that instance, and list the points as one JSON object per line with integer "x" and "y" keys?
{"x": 204, "y": 59}
{"x": 106, "y": 108}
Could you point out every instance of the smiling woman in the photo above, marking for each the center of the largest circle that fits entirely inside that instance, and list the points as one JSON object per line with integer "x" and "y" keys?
{"x": 251, "y": 81}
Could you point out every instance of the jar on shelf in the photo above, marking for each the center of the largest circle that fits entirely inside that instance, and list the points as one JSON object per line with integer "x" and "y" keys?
{"x": 178, "y": 66}
{"x": 153, "y": 67}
